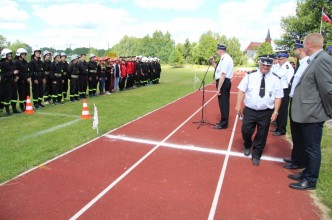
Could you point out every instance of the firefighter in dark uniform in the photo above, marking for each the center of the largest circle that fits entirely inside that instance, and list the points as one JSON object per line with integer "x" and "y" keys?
{"x": 138, "y": 71}
{"x": 56, "y": 79}
{"x": 145, "y": 70}
{"x": 8, "y": 75}
{"x": 48, "y": 85}
{"x": 92, "y": 75}
{"x": 83, "y": 76}
{"x": 64, "y": 74}
{"x": 23, "y": 83}
{"x": 158, "y": 70}
{"x": 73, "y": 75}
{"x": 37, "y": 78}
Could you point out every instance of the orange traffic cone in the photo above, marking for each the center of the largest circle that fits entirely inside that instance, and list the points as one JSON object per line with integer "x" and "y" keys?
{"x": 28, "y": 107}
{"x": 85, "y": 110}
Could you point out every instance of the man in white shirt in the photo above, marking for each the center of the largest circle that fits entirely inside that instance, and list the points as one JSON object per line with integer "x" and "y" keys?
{"x": 286, "y": 73}
{"x": 223, "y": 73}
{"x": 262, "y": 92}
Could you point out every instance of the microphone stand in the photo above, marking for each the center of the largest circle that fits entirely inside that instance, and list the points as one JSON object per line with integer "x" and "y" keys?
{"x": 202, "y": 121}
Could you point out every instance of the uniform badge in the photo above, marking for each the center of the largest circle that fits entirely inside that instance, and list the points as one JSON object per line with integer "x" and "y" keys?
{"x": 270, "y": 94}
{"x": 287, "y": 67}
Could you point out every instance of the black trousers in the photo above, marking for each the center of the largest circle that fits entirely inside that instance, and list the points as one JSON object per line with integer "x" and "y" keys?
{"x": 65, "y": 87}
{"x": 223, "y": 101}
{"x": 312, "y": 136}
{"x": 93, "y": 84}
{"x": 73, "y": 89}
{"x": 57, "y": 90}
{"x": 37, "y": 91}
{"x": 122, "y": 83}
{"x": 23, "y": 87}
{"x": 253, "y": 119}
{"x": 47, "y": 87}
{"x": 82, "y": 85}
{"x": 298, "y": 151}
{"x": 283, "y": 113}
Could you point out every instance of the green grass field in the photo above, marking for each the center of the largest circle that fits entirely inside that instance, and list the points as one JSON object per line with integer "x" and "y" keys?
{"x": 29, "y": 140}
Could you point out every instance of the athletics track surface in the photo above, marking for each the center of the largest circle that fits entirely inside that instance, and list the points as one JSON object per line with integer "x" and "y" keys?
{"x": 161, "y": 166}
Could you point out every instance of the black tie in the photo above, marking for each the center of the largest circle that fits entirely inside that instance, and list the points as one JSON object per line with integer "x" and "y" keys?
{"x": 262, "y": 88}
{"x": 214, "y": 74}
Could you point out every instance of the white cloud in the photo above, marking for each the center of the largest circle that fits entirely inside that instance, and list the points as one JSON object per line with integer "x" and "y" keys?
{"x": 88, "y": 16}
{"x": 170, "y": 4}
{"x": 11, "y": 16}
{"x": 250, "y": 20}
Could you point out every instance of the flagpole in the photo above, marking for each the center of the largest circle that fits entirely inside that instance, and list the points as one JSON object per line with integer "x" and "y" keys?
{"x": 321, "y": 21}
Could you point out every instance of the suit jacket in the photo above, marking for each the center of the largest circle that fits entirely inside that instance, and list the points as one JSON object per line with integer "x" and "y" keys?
{"x": 312, "y": 99}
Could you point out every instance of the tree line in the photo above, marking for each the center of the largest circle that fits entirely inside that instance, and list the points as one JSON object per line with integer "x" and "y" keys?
{"x": 159, "y": 45}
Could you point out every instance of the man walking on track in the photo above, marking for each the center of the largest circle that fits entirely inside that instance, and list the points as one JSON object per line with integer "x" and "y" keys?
{"x": 223, "y": 74}
{"x": 261, "y": 91}
{"x": 311, "y": 107}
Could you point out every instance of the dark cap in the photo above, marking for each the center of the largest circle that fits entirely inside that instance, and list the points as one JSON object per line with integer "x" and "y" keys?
{"x": 283, "y": 55}
{"x": 221, "y": 47}
{"x": 266, "y": 59}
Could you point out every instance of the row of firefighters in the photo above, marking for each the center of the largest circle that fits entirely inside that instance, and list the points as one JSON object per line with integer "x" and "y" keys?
{"x": 50, "y": 81}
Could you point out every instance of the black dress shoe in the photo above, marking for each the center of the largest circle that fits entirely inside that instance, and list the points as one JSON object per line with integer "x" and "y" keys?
{"x": 288, "y": 160}
{"x": 246, "y": 151}
{"x": 255, "y": 161}
{"x": 278, "y": 133}
{"x": 303, "y": 185}
{"x": 219, "y": 127}
{"x": 292, "y": 166}
{"x": 297, "y": 177}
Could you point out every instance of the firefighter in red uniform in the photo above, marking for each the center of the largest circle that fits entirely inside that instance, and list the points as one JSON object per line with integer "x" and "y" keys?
{"x": 8, "y": 75}
{"x": 37, "y": 78}
{"x": 130, "y": 74}
{"x": 23, "y": 83}
{"x": 64, "y": 63}
{"x": 123, "y": 77}
{"x": 56, "y": 79}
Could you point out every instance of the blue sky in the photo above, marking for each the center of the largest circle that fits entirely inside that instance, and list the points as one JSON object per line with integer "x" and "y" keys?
{"x": 102, "y": 23}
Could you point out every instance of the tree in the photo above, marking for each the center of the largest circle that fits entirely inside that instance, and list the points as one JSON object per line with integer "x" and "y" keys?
{"x": 307, "y": 20}
{"x": 19, "y": 44}
{"x": 264, "y": 48}
{"x": 3, "y": 42}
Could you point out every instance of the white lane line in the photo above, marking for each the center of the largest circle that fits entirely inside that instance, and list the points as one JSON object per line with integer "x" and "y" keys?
{"x": 222, "y": 174}
{"x": 55, "y": 114}
{"x": 101, "y": 194}
{"x": 82, "y": 145}
{"x": 188, "y": 147}
{"x": 34, "y": 135}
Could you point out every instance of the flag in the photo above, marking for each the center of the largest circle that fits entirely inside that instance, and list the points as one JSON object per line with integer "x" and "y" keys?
{"x": 196, "y": 79}
{"x": 95, "y": 118}
{"x": 326, "y": 18}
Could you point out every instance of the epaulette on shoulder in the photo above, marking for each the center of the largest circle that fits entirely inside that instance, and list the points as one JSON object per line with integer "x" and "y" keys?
{"x": 276, "y": 75}
{"x": 252, "y": 71}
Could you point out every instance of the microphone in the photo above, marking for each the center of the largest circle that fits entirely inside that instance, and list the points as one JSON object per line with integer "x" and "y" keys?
{"x": 212, "y": 57}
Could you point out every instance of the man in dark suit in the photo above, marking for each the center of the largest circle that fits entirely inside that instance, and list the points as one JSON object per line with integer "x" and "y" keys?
{"x": 311, "y": 107}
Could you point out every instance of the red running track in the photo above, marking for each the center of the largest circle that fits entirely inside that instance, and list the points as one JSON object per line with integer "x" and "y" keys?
{"x": 161, "y": 166}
